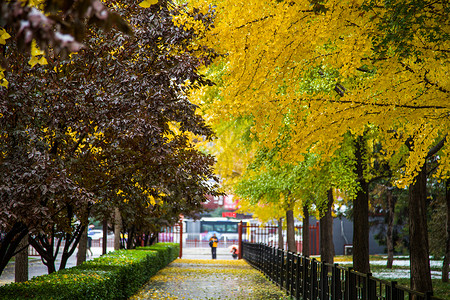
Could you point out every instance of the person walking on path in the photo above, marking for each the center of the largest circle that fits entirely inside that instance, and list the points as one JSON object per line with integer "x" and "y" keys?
{"x": 213, "y": 241}
{"x": 89, "y": 245}
{"x": 234, "y": 252}
{"x": 89, "y": 241}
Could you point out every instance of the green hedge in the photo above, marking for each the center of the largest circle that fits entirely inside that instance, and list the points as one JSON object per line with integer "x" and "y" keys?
{"x": 116, "y": 275}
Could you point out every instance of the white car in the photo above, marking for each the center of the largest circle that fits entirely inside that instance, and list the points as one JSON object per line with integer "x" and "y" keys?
{"x": 96, "y": 234}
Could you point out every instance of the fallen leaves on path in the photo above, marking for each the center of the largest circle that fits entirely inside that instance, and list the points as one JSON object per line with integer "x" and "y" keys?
{"x": 209, "y": 279}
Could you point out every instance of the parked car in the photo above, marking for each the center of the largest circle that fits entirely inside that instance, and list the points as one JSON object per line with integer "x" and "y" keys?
{"x": 96, "y": 234}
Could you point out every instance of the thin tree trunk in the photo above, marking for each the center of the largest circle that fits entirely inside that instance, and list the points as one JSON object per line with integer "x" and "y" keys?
{"x": 445, "y": 266}
{"x": 361, "y": 214}
{"x": 326, "y": 232}
{"x": 290, "y": 231}
{"x": 117, "y": 228}
{"x": 280, "y": 234}
{"x": 82, "y": 247}
{"x": 45, "y": 246}
{"x": 131, "y": 238}
{"x": 65, "y": 254}
{"x": 418, "y": 234}
{"x": 10, "y": 243}
{"x": 21, "y": 262}
{"x": 306, "y": 237}
{"x": 105, "y": 237}
{"x": 390, "y": 227}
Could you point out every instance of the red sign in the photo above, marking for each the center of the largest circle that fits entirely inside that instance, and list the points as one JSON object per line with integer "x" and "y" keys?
{"x": 229, "y": 214}
{"x": 229, "y": 203}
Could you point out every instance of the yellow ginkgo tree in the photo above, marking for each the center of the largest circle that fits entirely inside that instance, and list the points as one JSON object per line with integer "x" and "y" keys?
{"x": 380, "y": 63}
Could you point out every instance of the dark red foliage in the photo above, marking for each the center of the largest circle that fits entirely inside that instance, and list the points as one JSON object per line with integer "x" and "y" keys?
{"x": 90, "y": 133}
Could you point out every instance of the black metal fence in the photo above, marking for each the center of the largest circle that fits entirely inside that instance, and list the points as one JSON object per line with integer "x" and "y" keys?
{"x": 306, "y": 278}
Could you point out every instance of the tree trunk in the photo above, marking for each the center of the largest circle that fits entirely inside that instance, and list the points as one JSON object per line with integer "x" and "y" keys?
{"x": 21, "y": 262}
{"x": 82, "y": 247}
{"x": 45, "y": 246}
{"x": 418, "y": 234}
{"x": 117, "y": 228}
{"x": 326, "y": 232}
{"x": 361, "y": 214}
{"x": 131, "y": 238}
{"x": 280, "y": 234}
{"x": 290, "y": 231}
{"x": 105, "y": 237}
{"x": 390, "y": 227}
{"x": 153, "y": 238}
{"x": 10, "y": 243}
{"x": 306, "y": 239}
{"x": 445, "y": 266}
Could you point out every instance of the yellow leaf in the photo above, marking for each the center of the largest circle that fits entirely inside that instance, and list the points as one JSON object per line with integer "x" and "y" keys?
{"x": 147, "y": 3}
{"x": 42, "y": 61}
{"x": 4, "y": 82}
{"x": 3, "y": 36}
{"x": 33, "y": 61}
{"x": 35, "y": 51}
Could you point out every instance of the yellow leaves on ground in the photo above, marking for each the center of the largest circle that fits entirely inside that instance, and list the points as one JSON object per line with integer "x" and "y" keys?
{"x": 3, "y": 37}
{"x": 3, "y": 81}
{"x": 37, "y": 55}
{"x": 209, "y": 279}
{"x": 148, "y": 3}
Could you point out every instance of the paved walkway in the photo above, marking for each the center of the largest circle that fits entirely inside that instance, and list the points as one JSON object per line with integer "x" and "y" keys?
{"x": 209, "y": 279}
{"x": 195, "y": 276}
{"x": 37, "y": 268}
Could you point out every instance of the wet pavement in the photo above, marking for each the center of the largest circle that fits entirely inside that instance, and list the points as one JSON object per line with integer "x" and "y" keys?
{"x": 209, "y": 279}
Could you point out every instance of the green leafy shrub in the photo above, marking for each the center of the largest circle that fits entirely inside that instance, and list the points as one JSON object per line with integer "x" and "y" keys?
{"x": 116, "y": 275}
{"x": 168, "y": 251}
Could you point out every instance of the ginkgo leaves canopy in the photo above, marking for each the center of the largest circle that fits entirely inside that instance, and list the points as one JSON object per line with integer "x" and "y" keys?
{"x": 275, "y": 49}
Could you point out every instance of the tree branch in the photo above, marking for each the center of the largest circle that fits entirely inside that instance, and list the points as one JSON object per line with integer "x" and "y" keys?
{"x": 436, "y": 148}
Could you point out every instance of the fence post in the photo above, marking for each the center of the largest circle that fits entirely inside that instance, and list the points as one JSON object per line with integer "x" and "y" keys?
{"x": 265, "y": 260}
{"x": 274, "y": 261}
{"x": 336, "y": 283}
{"x": 323, "y": 281}
{"x": 313, "y": 279}
{"x": 292, "y": 274}
{"x": 181, "y": 239}
{"x": 271, "y": 256}
{"x": 280, "y": 267}
{"x": 240, "y": 240}
{"x": 306, "y": 278}
{"x": 287, "y": 270}
{"x": 282, "y": 277}
{"x": 394, "y": 291}
{"x": 260, "y": 256}
{"x": 317, "y": 238}
{"x": 350, "y": 284}
{"x": 297, "y": 277}
{"x": 371, "y": 287}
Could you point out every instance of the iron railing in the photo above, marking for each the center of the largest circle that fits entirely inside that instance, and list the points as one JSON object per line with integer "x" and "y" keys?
{"x": 306, "y": 278}
{"x": 268, "y": 235}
